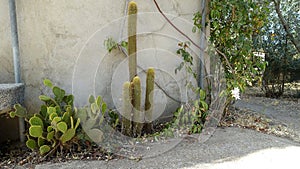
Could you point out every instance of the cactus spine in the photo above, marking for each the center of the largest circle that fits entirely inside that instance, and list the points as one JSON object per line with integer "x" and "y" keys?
{"x": 127, "y": 110}
{"x": 132, "y": 25}
{"x": 149, "y": 99}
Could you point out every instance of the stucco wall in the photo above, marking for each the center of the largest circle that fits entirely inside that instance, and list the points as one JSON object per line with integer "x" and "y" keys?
{"x": 62, "y": 40}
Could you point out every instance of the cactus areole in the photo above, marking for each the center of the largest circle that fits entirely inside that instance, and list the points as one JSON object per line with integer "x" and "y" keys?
{"x": 132, "y": 22}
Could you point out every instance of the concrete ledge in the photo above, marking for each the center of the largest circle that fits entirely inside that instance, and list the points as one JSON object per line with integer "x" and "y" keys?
{"x": 11, "y": 94}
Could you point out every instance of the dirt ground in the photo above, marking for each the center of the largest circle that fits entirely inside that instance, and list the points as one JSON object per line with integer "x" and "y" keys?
{"x": 279, "y": 116}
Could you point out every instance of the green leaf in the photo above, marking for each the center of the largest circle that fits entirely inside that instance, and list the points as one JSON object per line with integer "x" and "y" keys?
{"x": 48, "y": 83}
{"x": 35, "y": 131}
{"x": 62, "y": 126}
{"x": 68, "y": 135}
{"x": 202, "y": 95}
{"x": 44, "y": 149}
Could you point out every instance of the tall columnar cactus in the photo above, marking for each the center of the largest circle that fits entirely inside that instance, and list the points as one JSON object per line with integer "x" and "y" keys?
{"x": 127, "y": 110}
{"x": 136, "y": 103}
{"x": 132, "y": 22}
{"x": 149, "y": 99}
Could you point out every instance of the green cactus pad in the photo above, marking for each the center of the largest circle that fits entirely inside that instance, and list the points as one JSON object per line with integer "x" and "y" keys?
{"x": 103, "y": 108}
{"x": 69, "y": 99}
{"x": 94, "y": 108}
{"x": 99, "y": 101}
{"x": 35, "y": 131}
{"x": 49, "y": 128}
{"x": 82, "y": 114}
{"x": 50, "y": 135}
{"x": 41, "y": 141}
{"x": 59, "y": 93}
{"x": 30, "y": 143}
{"x": 51, "y": 110}
{"x": 44, "y": 149}
{"x": 56, "y": 120}
{"x": 96, "y": 135}
{"x": 43, "y": 110}
{"x": 48, "y": 83}
{"x": 19, "y": 111}
{"x": 91, "y": 99}
{"x": 77, "y": 123}
{"x": 62, "y": 126}
{"x": 36, "y": 121}
{"x": 68, "y": 135}
{"x": 44, "y": 98}
{"x": 66, "y": 117}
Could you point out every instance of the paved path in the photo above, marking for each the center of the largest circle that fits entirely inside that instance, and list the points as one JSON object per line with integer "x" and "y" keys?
{"x": 227, "y": 148}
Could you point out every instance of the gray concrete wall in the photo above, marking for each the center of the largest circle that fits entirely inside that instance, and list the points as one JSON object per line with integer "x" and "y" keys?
{"x": 62, "y": 40}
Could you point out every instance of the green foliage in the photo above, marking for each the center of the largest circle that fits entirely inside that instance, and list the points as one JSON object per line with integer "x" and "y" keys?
{"x": 189, "y": 118}
{"x": 187, "y": 59}
{"x": 280, "y": 53}
{"x": 232, "y": 26}
{"x": 54, "y": 125}
{"x": 110, "y": 44}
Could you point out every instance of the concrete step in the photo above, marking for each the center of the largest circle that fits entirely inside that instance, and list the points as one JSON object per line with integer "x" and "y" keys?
{"x": 11, "y": 94}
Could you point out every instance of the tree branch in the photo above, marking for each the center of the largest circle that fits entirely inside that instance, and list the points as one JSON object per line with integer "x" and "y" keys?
{"x": 285, "y": 25}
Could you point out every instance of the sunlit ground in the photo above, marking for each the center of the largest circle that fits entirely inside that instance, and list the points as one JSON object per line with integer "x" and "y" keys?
{"x": 273, "y": 158}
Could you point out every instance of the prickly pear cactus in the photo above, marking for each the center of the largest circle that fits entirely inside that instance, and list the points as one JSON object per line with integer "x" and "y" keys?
{"x": 92, "y": 118}
{"x": 55, "y": 125}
